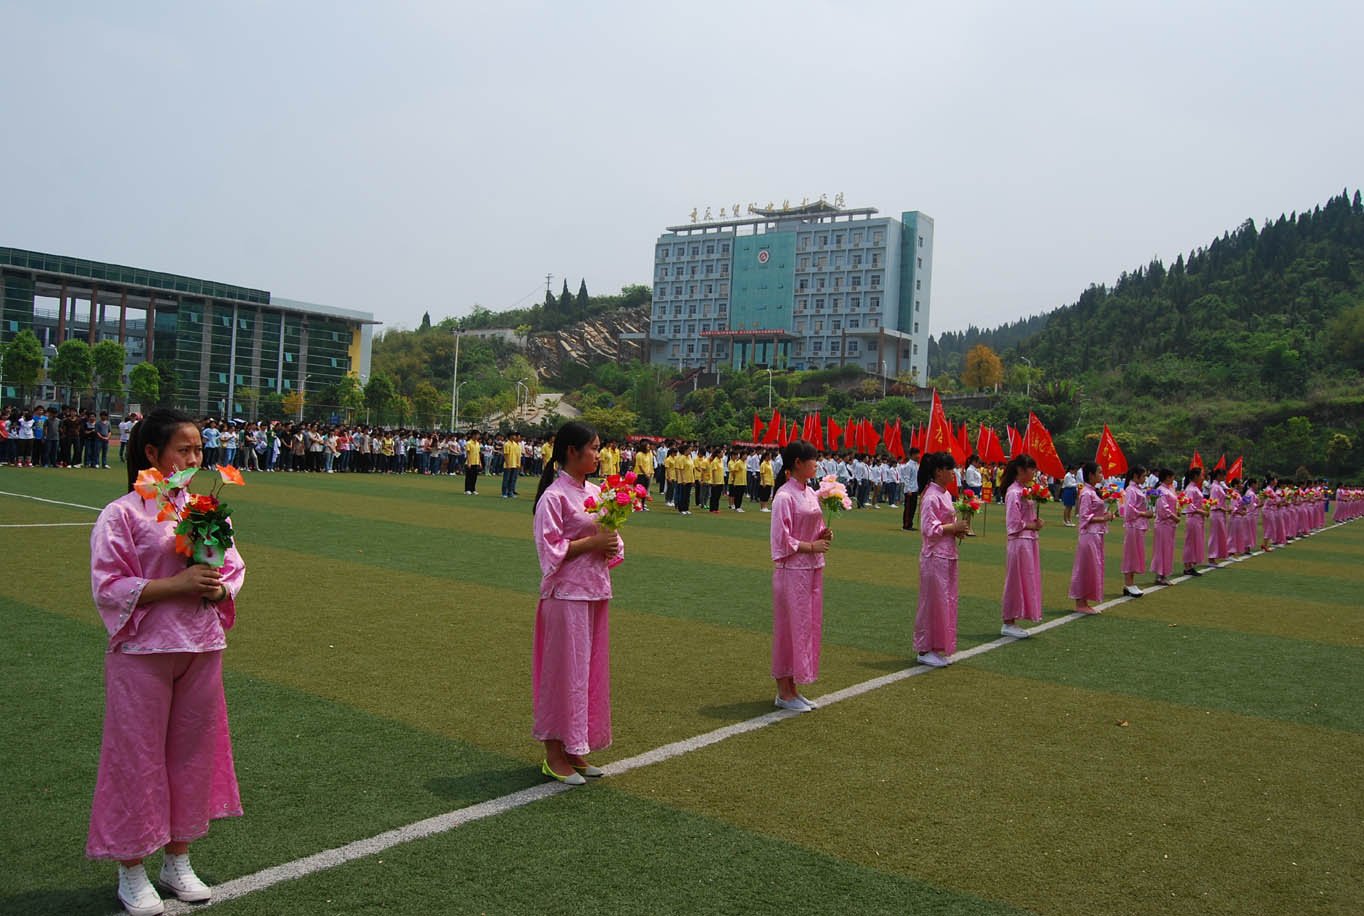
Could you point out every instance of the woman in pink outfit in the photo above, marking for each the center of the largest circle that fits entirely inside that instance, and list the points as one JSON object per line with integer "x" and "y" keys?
{"x": 1218, "y": 538}
{"x": 165, "y": 767}
{"x": 1195, "y": 544}
{"x": 1022, "y": 560}
{"x": 1167, "y": 518}
{"x": 1268, "y": 511}
{"x": 1092, "y": 516}
{"x": 571, "y": 663}
{"x": 1136, "y": 521}
{"x": 799, "y": 540}
{"x": 935, "y": 624}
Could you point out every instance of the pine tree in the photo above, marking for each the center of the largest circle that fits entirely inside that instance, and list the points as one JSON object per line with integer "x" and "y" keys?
{"x": 580, "y": 307}
{"x": 566, "y": 304}
{"x": 426, "y": 322}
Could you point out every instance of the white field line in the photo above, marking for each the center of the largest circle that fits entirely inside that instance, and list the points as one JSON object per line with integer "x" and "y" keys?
{"x": 442, "y": 823}
{"x": 55, "y": 502}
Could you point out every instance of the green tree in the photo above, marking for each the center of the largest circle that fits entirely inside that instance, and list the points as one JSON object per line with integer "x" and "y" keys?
{"x": 567, "y": 305}
{"x": 580, "y": 305}
{"x": 23, "y": 358}
{"x": 427, "y": 404}
{"x": 426, "y": 323}
{"x": 168, "y": 383}
{"x": 108, "y": 358}
{"x": 983, "y": 368}
{"x": 144, "y": 384}
{"x": 681, "y": 426}
{"x": 249, "y": 398}
{"x": 73, "y": 368}
{"x": 1346, "y": 336}
{"x": 611, "y": 422}
{"x": 379, "y": 392}
{"x": 350, "y": 395}
{"x": 293, "y": 403}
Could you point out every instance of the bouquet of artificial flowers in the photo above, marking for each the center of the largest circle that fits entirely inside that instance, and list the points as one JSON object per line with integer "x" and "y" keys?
{"x": 1111, "y": 494}
{"x": 1037, "y": 493}
{"x": 202, "y": 531}
{"x": 620, "y": 497}
{"x": 967, "y": 506}
{"x": 833, "y": 498}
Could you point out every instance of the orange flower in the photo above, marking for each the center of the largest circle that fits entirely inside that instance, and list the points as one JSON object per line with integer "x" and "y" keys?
{"x": 183, "y": 546}
{"x": 146, "y": 482}
{"x": 168, "y": 511}
{"x": 230, "y": 474}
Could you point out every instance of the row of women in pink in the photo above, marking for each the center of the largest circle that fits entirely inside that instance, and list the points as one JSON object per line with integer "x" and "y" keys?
{"x": 1195, "y": 539}
{"x": 571, "y": 649}
{"x": 935, "y": 623}
{"x": 1022, "y": 560}
{"x": 165, "y": 764}
{"x": 799, "y": 540}
{"x": 1166, "y": 521}
{"x": 1219, "y": 541}
{"x": 1136, "y": 521}
{"x": 1092, "y": 517}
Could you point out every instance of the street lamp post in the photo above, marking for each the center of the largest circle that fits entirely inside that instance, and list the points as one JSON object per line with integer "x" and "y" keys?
{"x": 521, "y": 404}
{"x": 1027, "y": 389}
{"x": 769, "y": 387}
{"x": 454, "y": 424}
{"x": 454, "y": 385}
{"x": 883, "y": 379}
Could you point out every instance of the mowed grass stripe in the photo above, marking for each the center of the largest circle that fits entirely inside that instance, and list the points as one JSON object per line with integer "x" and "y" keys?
{"x": 1034, "y": 794}
{"x": 599, "y": 851}
{"x": 313, "y": 773}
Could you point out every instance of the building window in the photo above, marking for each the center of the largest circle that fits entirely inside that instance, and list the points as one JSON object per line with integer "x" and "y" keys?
{"x": 857, "y": 260}
{"x": 800, "y": 327}
{"x": 878, "y": 237}
{"x": 803, "y": 263}
{"x": 921, "y": 263}
{"x": 710, "y": 269}
{"x": 838, "y": 240}
{"x": 856, "y": 281}
{"x": 691, "y": 348}
{"x": 691, "y": 310}
{"x": 836, "y": 324}
{"x": 802, "y": 283}
{"x": 854, "y": 302}
{"x": 677, "y": 289}
{"x": 817, "y": 346}
{"x": 695, "y": 250}
{"x": 819, "y": 305}
{"x": 916, "y": 305}
{"x": 833, "y": 346}
{"x": 710, "y": 249}
{"x": 724, "y": 248}
{"x": 875, "y": 303}
{"x": 721, "y": 308}
{"x": 917, "y": 284}
{"x": 660, "y": 330}
{"x": 916, "y": 327}
{"x": 677, "y": 329}
{"x": 819, "y": 327}
{"x": 663, "y": 254}
{"x": 921, "y": 241}
{"x": 856, "y": 239}
{"x": 691, "y": 289}
{"x": 709, "y": 288}
{"x": 916, "y": 349}
{"x": 854, "y": 323}
{"x": 800, "y": 347}
{"x": 852, "y": 346}
{"x": 675, "y": 349}
{"x": 724, "y": 269}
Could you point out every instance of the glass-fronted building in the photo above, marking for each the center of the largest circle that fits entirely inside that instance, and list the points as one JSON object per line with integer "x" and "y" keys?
{"x": 799, "y": 287}
{"x": 217, "y": 337}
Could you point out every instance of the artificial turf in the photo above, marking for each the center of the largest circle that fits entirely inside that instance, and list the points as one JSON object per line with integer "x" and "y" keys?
{"x": 379, "y": 673}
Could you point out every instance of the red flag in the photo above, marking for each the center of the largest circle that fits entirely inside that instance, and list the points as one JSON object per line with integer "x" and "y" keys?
{"x": 963, "y": 445}
{"x": 850, "y": 435}
{"x": 869, "y": 437}
{"x": 1110, "y": 456}
{"x": 835, "y": 432}
{"x": 1197, "y": 460}
{"x": 897, "y": 441}
{"x": 818, "y": 440}
{"x": 805, "y": 424}
{"x": 757, "y": 427}
{"x": 782, "y": 438}
{"x": 1221, "y": 463}
{"x": 1038, "y": 444}
{"x": 885, "y": 437}
{"x": 774, "y": 430}
{"x": 994, "y": 453}
{"x": 1234, "y": 472}
{"x": 939, "y": 435}
{"x": 794, "y": 434}
{"x": 1015, "y": 441}
{"x": 982, "y": 443}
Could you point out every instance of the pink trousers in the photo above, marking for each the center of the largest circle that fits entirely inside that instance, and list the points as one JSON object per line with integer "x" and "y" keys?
{"x": 1163, "y": 549}
{"x": 935, "y": 624}
{"x": 1087, "y": 573}
{"x": 797, "y": 623}
{"x": 165, "y": 764}
{"x": 1133, "y": 550}
{"x": 1218, "y": 542}
{"x": 1195, "y": 545}
{"x": 1022, "y": 580}
{"x": 571, "y": 674}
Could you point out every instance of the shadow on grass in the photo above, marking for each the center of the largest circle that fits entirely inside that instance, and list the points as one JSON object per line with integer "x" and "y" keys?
{"x": 738, "y": 712}
{"x": 471, "y": 788}
{"x": 103, "y": 899}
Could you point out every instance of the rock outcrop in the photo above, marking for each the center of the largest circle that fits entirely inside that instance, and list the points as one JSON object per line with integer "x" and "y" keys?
{"x": 589, "y": 342}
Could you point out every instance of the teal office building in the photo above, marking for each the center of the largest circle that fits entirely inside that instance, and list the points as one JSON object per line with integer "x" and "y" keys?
{"x": 806, "y": 287}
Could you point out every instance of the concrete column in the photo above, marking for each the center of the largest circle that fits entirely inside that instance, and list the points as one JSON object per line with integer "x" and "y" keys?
{"x": 123, "y": 318}
{"x": 150, "y": 327}
{"x": 279, "y": 364}
{"x": 94, "y": 294}
{"x": 61, "y": 317}
{"x": 232, "y": 362}
{"x": 205, "y": 356}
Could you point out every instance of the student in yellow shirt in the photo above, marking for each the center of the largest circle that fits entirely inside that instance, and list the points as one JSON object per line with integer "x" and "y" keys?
{"x": 511, "y": 465}
{"x": 738, "y": 480}
{"x": 703, "y": 479}
{"x": 610, "y": 459}
{"x": 670, "y": 477}
{"x": 473, "y": 464}
{"x": 644, "y": 467}
{"x": 686, "y": 478}
{"x": 717, "y": 481}
{"x": 765, "y": 481}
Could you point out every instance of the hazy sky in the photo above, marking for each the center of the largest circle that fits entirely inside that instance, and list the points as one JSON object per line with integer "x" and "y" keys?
{"x": 400, "y": 157}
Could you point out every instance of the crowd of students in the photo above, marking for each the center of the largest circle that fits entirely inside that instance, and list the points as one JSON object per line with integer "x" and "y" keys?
{"x": 54, "y": 438}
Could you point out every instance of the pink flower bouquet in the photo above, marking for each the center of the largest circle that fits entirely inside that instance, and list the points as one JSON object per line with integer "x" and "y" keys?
{"x": 620, "y": 497}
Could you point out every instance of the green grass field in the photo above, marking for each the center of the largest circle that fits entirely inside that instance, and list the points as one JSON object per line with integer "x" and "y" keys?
{"x": 1196, "y": 751}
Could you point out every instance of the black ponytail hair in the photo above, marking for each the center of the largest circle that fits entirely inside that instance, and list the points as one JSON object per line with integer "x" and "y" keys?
{"x": 154, "y": 429}
{"x": 1165, "y": 474}
{"x": 1087, "y": 468}
{"x": 1016, "y": 464}
{"x": 796, "y": 450}
{"x": 1134, "y": 472}
{"x": 573, "y": 434}
{"x": 1216, "y": 474}
{"x": 933, "y": 463}
{"x": 1189, "y": 477}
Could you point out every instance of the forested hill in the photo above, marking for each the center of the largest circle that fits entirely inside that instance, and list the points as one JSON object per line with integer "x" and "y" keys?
{"x": 1265, "y": 312}
{"x": 1261, "y": 312}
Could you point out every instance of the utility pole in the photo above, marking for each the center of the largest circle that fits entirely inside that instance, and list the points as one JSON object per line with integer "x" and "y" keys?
{"x": 454, "y": 386}
{"x": 549, "y": 279}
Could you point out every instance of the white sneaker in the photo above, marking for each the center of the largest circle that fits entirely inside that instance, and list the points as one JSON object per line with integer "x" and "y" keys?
{"x": 794, "y": 704}
{"x": 1014, "y": 630}
{"x": 809, "y": 704}
{"x": 767, "y": 510}
{"x": 738, "y": 510}
{"x": 1132, "y": 591}
{"x": 933, "y": 660}
{"x": 136, "y": 893}
{"x": 179, "y": 876}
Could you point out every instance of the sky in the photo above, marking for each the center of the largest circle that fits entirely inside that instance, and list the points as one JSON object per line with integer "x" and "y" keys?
{"x": 406, "y": 157}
